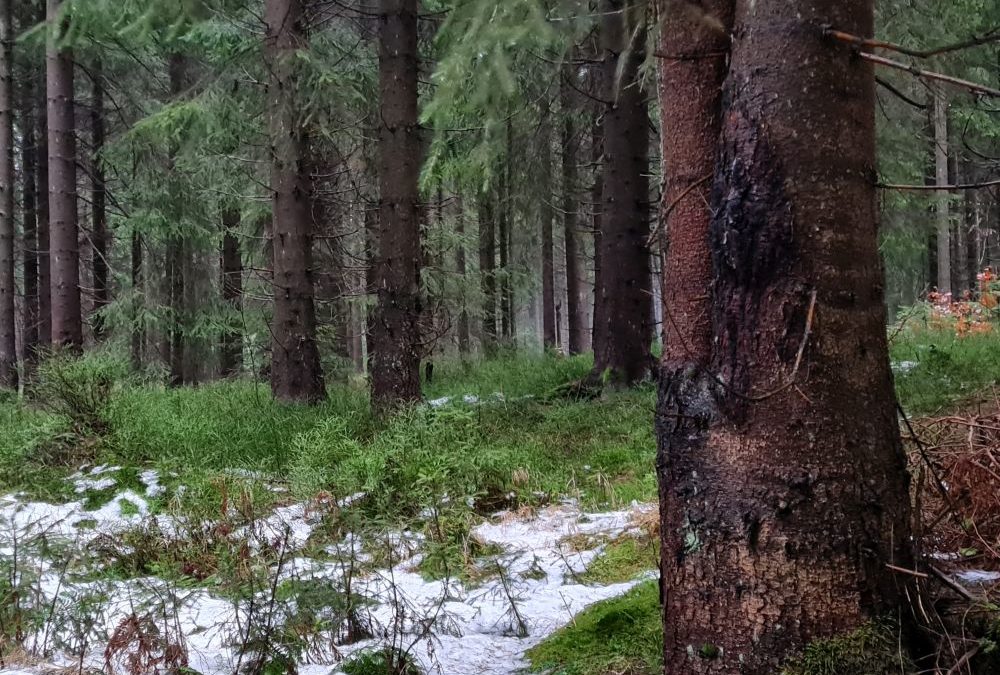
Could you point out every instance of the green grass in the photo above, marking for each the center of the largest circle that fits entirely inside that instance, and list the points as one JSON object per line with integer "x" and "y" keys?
{"x": 621, "y": 635}
{"x": 949, "y": 368}
{"x": 623, "y": 560}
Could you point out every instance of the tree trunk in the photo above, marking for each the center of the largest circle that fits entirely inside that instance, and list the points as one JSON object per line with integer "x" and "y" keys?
{"x": 505, "y": 219}
{"x": 138, "y": 335}
{"x": 29, "y": 205}
{"x": 8, "y": 323}
{"x": 175, "y": 282}
{"x": 941, "y": 175}
{"x": 784, "y": 490}
{"x": 597, "y": 207}
{"x": 571, "y": 211}
{"x": 99, "y": 236}
{"x": 296, "y": 373}
{"x": 231, "y": 267}
{"x": 623, "y": 335}
{"x": 487, "y": 269}
{"x": 43, "y": 196}
{"x": 395, "y": 377}
{"x": 67, "y": 320}
{"x": 548, "y": 255}
{"x": 464, "y": 336}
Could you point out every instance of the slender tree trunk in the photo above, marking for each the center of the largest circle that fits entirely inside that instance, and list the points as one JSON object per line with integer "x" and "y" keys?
{"x": 8, "y": 322}
{"x": 138, "y": 334}
{"x": 296, "y": 373}
{"x": 941, "y": 175}
{"x": 102, "y": 292}
{"x": 548, "y": 253}
{"x": 506, "y": 219}
{"x": 464, "y": 333}
{"x": 487, "y": 269}
{"x": 67, "y": 320}
{"x": 42, "y": 179}
{"x": 395, "y": 377}
{"x": 783, "y": 481}
{"x": 175, "y": 342}
{"x": 624, "y": 333}
{"x": 29, "y": 205}
{"x": 597, "y": 208}
{"x": 571, "y": 211}
{"x": 231, "y": 267}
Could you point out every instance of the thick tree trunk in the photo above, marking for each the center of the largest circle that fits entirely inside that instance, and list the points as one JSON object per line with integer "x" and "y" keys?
{"x": 784, "y": 489}
{"x": 8, "y": 323}
{"x": 623, "y": 336}
{"x": 548, "y": 254}
{"x": 571, "y": 212}
{"x": 67, "y": 320}
{"x": 42, "y": 181}
{"x": 99, "y": 236}
{"x": 296, "y": 373}
{"x": 395, "y": 378}
{"x": 29, "y": 205}
{"x": 138, "y": 336}
{"x": 940, "y": 112}
{"x": 231, "y": 268}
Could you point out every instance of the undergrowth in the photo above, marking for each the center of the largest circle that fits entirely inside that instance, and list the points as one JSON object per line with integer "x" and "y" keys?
{"x": 621, "y": 635}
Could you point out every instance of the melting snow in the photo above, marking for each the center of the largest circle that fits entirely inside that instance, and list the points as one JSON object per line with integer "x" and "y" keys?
{"x": 453, "y": 628}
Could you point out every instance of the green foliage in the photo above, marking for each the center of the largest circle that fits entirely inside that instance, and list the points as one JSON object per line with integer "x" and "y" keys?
{"x": 948, "y": 367}
{"x": 80, "y": 388}
{"x": 623, "y": 560}
{"x": 381, "y": 662}
{"x": 872, "y": 649}
{"x": 621, "y": 635}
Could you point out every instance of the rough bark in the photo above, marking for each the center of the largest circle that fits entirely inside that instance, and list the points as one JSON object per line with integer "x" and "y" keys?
{"x": 231, "y": 269}
{"x": 548, "y": 254}
{"x": 296, "y": 373}
{"x": 571, "y": 213}
{"x": 29, "y": 206}
{"x": 175, "y": 342}
{"x": 487, "y": 270}
{"x": 623, "y": 335}
{"x": 784, "y": 489}
{"x": 99, "y": 235}
{"x": 67, "y": 320}
{"x": 943, "y": 218}
{"x": 395, "y": 377}
{"x": 8, "y": 323}
{"x": 505, "y": 220}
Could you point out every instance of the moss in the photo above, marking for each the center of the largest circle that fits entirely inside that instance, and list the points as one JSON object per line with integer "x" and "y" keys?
{"x": 621, "y": 635}
{"x": 872, "y": 649}
{"x": 623, "y": 560}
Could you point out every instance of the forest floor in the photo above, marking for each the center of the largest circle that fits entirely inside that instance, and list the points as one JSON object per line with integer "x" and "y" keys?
{"x": 498, "y": 528}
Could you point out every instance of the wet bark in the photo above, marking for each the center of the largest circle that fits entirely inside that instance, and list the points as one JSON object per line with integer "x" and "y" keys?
{"x": 623, "y": 334}
{"x": 395, "y": 377}
{"x": 296, "y": 373}
{"x": 99, "y": 223}
{"x": 67, "y": 320}
{"x": 231, "y": 269}
{"x": 8, "y": 323}
{"x": 487, "y": 270}
{"x": 571, "y": 212}
{"x": 548, "y": 257}
{"x": 783, "y": 481}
